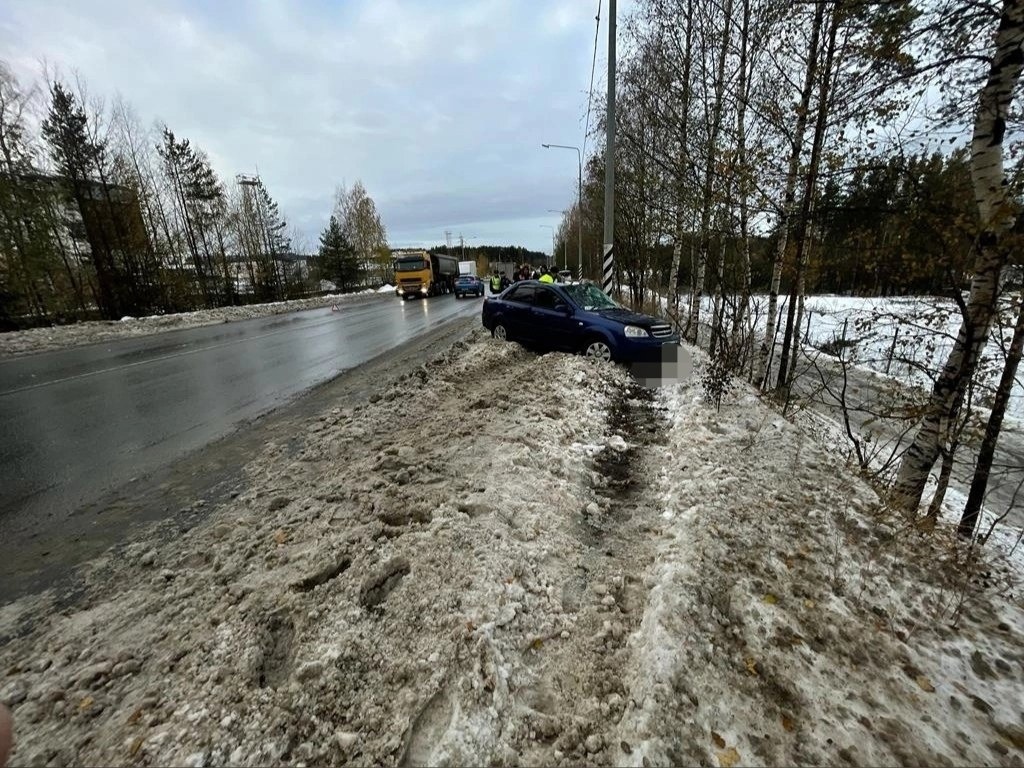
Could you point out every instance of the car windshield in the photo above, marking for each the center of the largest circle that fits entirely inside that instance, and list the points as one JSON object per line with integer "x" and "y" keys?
{"x": 410, "y": 265}
{"x": 590, "y": 296}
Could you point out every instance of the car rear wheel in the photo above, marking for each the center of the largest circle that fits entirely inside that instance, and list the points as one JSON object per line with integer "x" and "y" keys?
{"x": 500, "y": 332}
{"x": 599, "y": 350}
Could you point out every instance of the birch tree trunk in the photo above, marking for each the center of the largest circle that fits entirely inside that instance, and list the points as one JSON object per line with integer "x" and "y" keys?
{"x": 810, "y": 185}
{"x": 742, "y": 183}
{"x": 681, "y": 165}
{"x": 997, "y": 217}
{"x": 789, "y": 195}
{"x": 693, "y": 324}
{"x": 987, "y": 451}
{"x": 673, "y": 280}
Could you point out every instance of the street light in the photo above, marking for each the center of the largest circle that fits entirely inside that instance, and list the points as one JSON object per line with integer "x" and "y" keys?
{"x": 565, "y": 245}
{"x": 552, "y": 240}
{"x": 579, "y": 198}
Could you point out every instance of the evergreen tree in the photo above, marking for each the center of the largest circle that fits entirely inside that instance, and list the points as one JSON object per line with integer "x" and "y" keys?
{"x": 76, "y": 157}
{"x": 337, "y": 259}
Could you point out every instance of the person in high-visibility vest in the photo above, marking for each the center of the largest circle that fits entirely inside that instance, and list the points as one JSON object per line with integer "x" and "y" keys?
{"x": 495, "y": 283}
{"x": 545, "y": 276}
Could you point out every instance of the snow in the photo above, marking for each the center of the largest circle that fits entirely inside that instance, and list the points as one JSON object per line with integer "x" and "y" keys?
{"x": 791, "y": 621}
{"x": 923, "y": 328}
{"x": 63, "y": 336}
{"x": 386, "y": 289}
{"x": 478, "y": 574}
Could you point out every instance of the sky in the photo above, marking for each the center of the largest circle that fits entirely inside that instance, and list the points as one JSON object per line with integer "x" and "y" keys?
{"x": 438, "y": 106}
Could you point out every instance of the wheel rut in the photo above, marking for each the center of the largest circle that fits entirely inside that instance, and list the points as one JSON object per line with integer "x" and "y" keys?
{"x": 585, "y": 676}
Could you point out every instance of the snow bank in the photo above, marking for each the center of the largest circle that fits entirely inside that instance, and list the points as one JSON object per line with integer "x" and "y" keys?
{"x": 378, "y": 592}
{"x": 790, "y": 621}
{"x": 515, "y": 559}
{"x": 62, "y": 336}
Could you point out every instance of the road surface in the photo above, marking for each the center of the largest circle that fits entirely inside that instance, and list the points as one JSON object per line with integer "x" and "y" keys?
{"x": 80, "y": 422}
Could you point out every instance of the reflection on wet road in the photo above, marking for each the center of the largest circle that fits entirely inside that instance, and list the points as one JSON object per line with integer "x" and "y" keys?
{"x": 77, "y": 422}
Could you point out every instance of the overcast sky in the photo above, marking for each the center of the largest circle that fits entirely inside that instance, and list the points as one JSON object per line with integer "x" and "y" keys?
{"x": 439, "y": 106}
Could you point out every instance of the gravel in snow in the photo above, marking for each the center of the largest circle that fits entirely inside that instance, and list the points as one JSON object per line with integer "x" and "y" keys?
{"x": 513, "y": 559}
{"x": 90, "y": 332}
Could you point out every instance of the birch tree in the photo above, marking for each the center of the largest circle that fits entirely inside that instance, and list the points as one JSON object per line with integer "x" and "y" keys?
{"x": 363, "y": 228}
{"x": 998, "y": 214}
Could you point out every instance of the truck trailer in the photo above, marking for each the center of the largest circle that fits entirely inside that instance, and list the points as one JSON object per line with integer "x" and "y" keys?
{"x": 419, "y": 273}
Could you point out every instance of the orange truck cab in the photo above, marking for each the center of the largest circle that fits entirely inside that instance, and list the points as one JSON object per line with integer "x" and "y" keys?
{"x": 419, "y": 273}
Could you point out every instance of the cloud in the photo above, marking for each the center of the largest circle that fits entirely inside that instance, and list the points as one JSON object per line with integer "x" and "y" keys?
{"x": 439, "y": 106}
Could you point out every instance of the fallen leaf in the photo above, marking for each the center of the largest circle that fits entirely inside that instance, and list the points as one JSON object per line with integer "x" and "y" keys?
{"x": 86, "y": 702}
{"x": 537, "y": 643}
{"x": 751, "y": 664}
{"x": 962, "y": 688}
{"x": 808, "y": 603}
{"x": 135, "y": 747}
{"x": 280, "y": 536}
{"x": 770, "y": 598}
{"x": 787, "y": 723}
{"x": 925, "y": 684}
{"x": 134, "y": 716}
{"x": 789, "y": 563}
{"x": 727, "y": 758}
{"x": 719, "y": 741}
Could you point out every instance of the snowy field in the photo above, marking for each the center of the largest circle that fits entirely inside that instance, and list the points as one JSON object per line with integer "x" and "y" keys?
{"x": 908, "y": 338}
{"x": 62, "y": 336}
{"x": 604, "y": 575}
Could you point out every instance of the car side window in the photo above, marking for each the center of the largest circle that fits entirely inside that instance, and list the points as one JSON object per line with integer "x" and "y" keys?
{"x": 522, "y": 294}
{"x": 546, "y": 299}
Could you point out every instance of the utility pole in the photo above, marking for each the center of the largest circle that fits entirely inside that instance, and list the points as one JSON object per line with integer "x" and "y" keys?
{"x": 608, "y": 275}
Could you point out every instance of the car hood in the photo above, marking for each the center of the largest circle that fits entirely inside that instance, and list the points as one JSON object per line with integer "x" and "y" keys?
{"x": 628, "y": 317}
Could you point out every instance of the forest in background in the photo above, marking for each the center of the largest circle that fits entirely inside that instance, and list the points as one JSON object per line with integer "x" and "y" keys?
{"x": 102, "y": 217}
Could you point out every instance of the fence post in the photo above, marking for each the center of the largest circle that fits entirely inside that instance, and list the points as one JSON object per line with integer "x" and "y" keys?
{"x": 807, "y": 332}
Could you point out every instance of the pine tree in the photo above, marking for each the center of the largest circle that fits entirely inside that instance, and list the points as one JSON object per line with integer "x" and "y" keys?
{"x": 337, "y": 259}
{"x": 76, "y": 157}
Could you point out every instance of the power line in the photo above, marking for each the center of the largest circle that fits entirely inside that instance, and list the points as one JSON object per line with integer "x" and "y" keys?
{"x": 593, "y": 64}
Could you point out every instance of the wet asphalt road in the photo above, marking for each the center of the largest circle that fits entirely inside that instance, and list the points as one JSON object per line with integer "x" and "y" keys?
{"x": 79, "y": 422}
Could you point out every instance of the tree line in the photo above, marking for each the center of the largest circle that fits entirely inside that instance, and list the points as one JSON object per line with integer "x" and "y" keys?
{"x": 779, "y": 147}
{"x": 101, "y": 217}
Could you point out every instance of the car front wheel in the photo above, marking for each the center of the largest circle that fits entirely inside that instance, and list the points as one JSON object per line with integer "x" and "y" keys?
{"x": 599, "y": 350}
{"x": 500, "y": 332}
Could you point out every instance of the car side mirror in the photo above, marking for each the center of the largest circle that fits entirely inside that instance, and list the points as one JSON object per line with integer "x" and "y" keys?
{"x": 565, "y": 309}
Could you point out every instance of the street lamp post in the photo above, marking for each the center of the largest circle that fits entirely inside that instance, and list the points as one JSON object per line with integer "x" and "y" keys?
{"x": 565, "y": 245}
{"x": 579, "y": 197}
{"x": 548, "y": 226}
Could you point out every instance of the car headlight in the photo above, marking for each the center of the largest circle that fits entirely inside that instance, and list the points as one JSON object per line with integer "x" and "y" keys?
{"x": 636, "y": 332}
{"x": 423, "y": 289}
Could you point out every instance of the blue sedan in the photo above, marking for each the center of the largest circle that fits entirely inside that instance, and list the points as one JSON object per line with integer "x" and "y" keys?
{"x": 578, "y": 317}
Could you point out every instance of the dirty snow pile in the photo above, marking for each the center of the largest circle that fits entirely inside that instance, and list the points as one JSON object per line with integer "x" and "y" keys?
{"x": 62, "y": 336}
{"x": 408, "y": 581}
{"x": 510, "y": 559}
{"x": 791, "y": 621}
